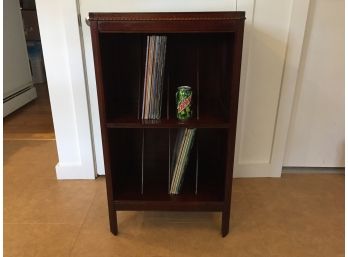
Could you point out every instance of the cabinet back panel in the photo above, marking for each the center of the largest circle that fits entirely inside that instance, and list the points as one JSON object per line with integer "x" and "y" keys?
{"x": 215, "y": 69}
{"x": 123, "y": 67}
{"x": 156, "y": 161}
{"x": 201, "y": 61}
{"x": 125, "y": 162}
{"x": 212, "y": 148}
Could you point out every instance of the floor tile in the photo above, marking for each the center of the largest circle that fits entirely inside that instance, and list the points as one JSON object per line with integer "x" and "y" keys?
{"x": 32, "y": 194}
{"x": 30, "y": 159}
{"x": 39, "y": 240}
{"x": 50, "y": 202}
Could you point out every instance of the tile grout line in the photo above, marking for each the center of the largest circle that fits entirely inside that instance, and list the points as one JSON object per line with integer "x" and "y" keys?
{"x": 83, "y": 222}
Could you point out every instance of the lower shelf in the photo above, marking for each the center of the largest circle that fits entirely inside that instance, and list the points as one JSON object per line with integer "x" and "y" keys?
{"x": 207, "y": 196}
{"x": 172, "y": 205}
{"x": 141, "y": 167}
{"x": 180, "y": 202}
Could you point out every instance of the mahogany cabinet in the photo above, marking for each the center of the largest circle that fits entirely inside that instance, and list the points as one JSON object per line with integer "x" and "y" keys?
{"x": 203, "y": 51}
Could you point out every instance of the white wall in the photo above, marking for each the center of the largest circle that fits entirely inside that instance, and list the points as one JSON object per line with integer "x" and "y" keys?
{"x": 67, "y": 88}
{"x": 316, "y": 133}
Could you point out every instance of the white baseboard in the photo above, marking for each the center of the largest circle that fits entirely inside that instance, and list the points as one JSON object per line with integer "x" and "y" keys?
{"x": 17, "y": 101}
{"x": 313, "y": 170}
{"x": 73, "y": 171}
{"x": 262, "y": 170}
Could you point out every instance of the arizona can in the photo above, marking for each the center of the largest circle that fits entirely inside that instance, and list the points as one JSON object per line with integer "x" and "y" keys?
{"x": 184, "y": 103}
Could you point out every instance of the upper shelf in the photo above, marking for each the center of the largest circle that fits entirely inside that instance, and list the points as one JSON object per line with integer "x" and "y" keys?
{"x": 199, "y": 61}
{"x": 204, "y": 122}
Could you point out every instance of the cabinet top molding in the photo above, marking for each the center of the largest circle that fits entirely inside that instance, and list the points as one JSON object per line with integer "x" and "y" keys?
{"x": 166, "y": 16}
{"x": 167, "y": 22}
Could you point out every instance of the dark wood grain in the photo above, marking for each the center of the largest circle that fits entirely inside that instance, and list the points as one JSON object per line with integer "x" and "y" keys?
{"x": 102, "y": 116}
{"x": 168, "y": 22}
{"x": 203, "y": 51}
{"x": 167, "y": 205}
{"x": 163, "y": 16}
{"x": 236, "y": 56}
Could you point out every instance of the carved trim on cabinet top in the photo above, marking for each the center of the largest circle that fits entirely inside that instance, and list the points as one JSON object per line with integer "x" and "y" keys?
{"x": 166, "y": 16}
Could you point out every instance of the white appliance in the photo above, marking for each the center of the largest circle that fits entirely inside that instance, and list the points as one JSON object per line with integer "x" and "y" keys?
{"x": 18, "y": 88}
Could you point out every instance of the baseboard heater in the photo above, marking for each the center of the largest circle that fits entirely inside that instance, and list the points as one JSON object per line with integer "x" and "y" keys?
{"x": 18, "y": 99}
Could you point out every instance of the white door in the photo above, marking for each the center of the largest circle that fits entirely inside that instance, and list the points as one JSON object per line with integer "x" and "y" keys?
{"x": 271, "y": 56}
{"x": 316, "y": 133}
{"x": 264, "y": 103}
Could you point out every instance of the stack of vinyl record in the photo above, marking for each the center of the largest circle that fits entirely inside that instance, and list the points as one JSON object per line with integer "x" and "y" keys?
{"x": 181, "y": 153}
{"x": 153, "y": 80}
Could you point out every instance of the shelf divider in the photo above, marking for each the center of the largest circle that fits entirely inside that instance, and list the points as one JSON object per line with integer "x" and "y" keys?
{"x": 142, "y": 162}
{"x": 139, "y": 80}
{"x": 197, "y": 167}
{"x": 197, "y": 81}
{"x": 170, "y": 161}
{"x": 168, "y": 91}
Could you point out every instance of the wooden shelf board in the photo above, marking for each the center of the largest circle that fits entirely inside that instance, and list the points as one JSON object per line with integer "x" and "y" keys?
{"x": 168, "y": 205}
{"x": 205, "y": 122}
{"x": 164, "y": 196}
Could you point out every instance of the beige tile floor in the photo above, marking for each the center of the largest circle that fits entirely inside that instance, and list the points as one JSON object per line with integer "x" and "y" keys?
{"x": 297, "y": 215}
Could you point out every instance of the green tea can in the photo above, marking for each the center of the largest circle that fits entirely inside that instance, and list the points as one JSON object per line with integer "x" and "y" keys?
{"x": 184, "y": 103}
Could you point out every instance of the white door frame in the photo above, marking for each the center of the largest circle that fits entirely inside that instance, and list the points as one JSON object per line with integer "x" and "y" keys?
{"x": 62, "y": 51}
{"x": 295, "y": 40}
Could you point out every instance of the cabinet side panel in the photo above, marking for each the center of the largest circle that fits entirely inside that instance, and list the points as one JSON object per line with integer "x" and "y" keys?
{"x": 101, "y": 104}
{"x": 236, "y": 56}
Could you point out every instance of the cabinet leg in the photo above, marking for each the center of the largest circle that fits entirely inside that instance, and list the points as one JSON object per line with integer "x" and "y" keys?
{"x": 113, "y": 221}
{"x": 225, "y": 223}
